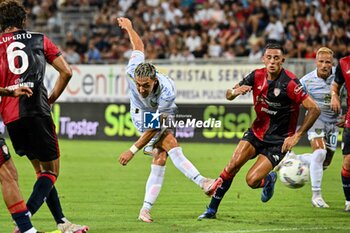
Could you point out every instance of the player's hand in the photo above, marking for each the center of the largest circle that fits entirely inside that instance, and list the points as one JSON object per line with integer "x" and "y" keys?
{"x": 22, "y": 91}
{"x": 289, "y": 142}
{"x": 124, "y": 23}
{"x": 125, "y": 157}
{"x": 335, "y": 104}
{"x": 242, "y": 90}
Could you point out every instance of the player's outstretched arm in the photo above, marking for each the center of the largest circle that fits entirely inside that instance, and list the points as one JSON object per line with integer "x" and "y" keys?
{"x": 135, "y": 39}
{"x": 231, "y": 94}
{"x": 17, "y": 92}
{"x": 65, "y": 73}
{"x": 126, "y": 156}
{"x": 313, "y": 111}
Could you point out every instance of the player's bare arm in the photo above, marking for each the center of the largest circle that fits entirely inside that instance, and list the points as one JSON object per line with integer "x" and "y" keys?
{"x": 313, "y": 111}
{"x": 65, "y": 73}
{"x": 126, "y": 156}
{"x": 135, "y": 39}
{"x": 231, "y": 94}
{"x": 335, "y": 100}
{"x": 17, "y": 92}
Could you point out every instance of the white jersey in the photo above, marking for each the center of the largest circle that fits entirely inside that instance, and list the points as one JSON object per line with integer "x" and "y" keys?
{"x": 320, "y": 91}
{"x": 162, "y": 99}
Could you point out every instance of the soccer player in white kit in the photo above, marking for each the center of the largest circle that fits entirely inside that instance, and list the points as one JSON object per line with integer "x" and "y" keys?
{"x": 323, "y": 135}
{"x": 152, "y": 92}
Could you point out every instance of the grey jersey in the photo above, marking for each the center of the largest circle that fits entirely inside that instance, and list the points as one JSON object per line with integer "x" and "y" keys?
{"x": 320, "y": 91}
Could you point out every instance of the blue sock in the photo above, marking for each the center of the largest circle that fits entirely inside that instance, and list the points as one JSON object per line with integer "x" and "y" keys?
{"x": 53, "y": 202}
{"x": 346, "y": 187}
{"x": 41, "y": 190}
{"x": 22, "y": 221}
{"x": 220, "y": 192}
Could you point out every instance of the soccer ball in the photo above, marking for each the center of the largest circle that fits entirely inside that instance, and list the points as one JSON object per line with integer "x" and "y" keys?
{"x": 294, "y": 173}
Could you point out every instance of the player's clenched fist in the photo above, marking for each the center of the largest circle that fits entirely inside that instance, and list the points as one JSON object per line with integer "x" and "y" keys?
{"x": 125, "y": 157}
{"x": 124, "y": 23}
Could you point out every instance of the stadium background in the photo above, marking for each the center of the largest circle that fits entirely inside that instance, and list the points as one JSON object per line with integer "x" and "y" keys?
{"x": 206, "y": 46}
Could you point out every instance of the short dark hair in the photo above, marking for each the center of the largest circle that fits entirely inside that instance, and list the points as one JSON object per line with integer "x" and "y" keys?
{"x": 274, "y": 46}
{"x": 145, "y": 70}
{"x": 12, "y": 14}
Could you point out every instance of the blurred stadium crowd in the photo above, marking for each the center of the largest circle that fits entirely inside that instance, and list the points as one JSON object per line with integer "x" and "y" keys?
{"x": 191, "y": 29}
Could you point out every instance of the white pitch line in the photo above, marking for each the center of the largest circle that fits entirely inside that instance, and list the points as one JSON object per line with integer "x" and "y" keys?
{"x": 280, "y": 230}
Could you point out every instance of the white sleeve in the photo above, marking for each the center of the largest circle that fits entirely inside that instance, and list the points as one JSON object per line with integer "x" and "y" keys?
{"x": 167, "y": 98}
{"x": 136, "y": 58}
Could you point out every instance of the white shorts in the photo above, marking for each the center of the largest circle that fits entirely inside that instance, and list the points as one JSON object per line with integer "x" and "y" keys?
{"x": 324, "y": 130}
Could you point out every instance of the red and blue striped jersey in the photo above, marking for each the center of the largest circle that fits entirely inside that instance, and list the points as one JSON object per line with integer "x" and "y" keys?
{"x": 23, "y": 57}
{"x": 276, "y": 103}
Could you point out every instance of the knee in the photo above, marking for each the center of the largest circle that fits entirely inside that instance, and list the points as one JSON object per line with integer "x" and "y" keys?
{"x": 320, "y": 155}
{"x": 159, "y": 157}
{"x": 253, "y": 180}
{"x": 168, "y": 142}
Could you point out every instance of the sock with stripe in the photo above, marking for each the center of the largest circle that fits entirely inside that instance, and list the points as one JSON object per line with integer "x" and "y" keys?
{"x": 220, "y": 192}
{"x": 41, "y": 190}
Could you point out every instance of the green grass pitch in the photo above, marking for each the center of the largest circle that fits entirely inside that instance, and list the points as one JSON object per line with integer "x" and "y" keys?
{"x": 95, "y": 190}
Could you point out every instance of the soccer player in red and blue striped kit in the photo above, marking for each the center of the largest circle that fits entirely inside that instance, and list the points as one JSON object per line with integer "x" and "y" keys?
{"x": 342, "y": 75}
{"x": 277, "y": 97}
{"x": 23, "y": 57}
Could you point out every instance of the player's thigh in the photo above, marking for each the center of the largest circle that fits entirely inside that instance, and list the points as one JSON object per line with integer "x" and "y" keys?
{"x": 258, "y": 171}
{"x": 8, "y": 171}
{"x": 318, "y": 143}
{"x": 243, "y": 152}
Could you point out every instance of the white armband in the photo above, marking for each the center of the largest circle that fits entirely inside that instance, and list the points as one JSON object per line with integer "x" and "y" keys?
{"x": 134, "y": 149}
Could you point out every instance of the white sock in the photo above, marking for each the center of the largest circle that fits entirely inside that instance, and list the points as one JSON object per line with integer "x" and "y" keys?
{"x": 153, "y": 186}
{"x": 31, "y": 230}
{"x": 185, "y": 166}
{"x": 347, "y": 202}
{"x": 316, "y": 170}
{"x": 305, "y": 158}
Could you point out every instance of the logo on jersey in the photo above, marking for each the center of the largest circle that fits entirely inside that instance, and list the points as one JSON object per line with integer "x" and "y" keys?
{"x": 276, "y": 91}
{"x": 298, "y": 89}
{"x": 318, "y": 131}
{"x": 151, "y": 120}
